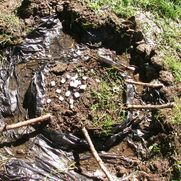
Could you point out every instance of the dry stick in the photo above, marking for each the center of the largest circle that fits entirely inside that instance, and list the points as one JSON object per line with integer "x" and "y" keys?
{"x": 28, "y": 122}
{"x": 95, "y": 154}
{"x": 144, "y": 84}
{"x": 148, "y": 106}
{"x": 118, "y": 65}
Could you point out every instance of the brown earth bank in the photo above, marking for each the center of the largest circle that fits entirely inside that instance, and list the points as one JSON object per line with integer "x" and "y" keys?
{"x": 92, "y": 92}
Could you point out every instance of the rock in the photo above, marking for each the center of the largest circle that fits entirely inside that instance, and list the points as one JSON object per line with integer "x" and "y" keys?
{"x": 52, "y": 83}
{"x": 83, "y": 87}
{"x": 48, "y": 101}
{"x": 76, "y": 94}
{"x": 59, "y": 68}
{"x": 169, "y": 93}
{"x": 138, "y": 37}
{"x": 71, "y": 101}
{"x": 157, "y": 62}
{"x": 63, "y": 81}
{"x": 166, "y": 77}
{"x": 75, "y": 83}
{"x": 61, "y": 98}
{"x": 58, "y": 91}
{"x": 68, "y": 93}
{"x": 68, "y": 76}
{"x": 121, "y": 171}
{"x": 144, "y": 49}
{"x": 84, "y": 78}
{"x": 74, "y": 77}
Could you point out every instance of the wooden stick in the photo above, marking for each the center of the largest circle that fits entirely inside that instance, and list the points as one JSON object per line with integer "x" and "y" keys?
{"x": 143, "y": 83}
{"x": 149, "y": 106}
{"x": 95, "y": 154}
{"x": 28, "y": 122}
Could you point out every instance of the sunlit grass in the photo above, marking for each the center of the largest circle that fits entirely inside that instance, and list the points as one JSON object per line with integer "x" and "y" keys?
{"x": 174, "y": 65}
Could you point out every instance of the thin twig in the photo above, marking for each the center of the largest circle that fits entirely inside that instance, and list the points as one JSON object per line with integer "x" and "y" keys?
{"x": 150, "y": 106}
{"x": 143, "y": 83}
{"x": 27, "y": 122}
{"x": 95, "y": 154}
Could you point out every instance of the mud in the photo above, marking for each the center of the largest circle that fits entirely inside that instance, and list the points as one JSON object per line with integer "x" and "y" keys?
{"x": 80, "y": 89}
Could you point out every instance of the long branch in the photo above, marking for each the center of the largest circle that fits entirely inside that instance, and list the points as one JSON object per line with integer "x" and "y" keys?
{"x": 150, "y": 106}
{"x": 95, "y": 154}
{"x": 27, "y": 122}
{"x": 143, "y": 83}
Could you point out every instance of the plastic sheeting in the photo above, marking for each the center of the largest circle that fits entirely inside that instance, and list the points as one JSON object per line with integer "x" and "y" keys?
{"x": 45, "y": 163}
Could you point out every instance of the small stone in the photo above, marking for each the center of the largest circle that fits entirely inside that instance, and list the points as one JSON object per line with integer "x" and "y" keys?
{"x": 86, "y": 58}
{"x": 61, "y": 98}
{"x": 78, "y": 52}
{"x": 75, "y": 83}
{"x": 63, "y": 81}
{"x": 74, "y": 77}
{"x": 68, "y": 76}
{"x": 58, "y": 91}
{"x": 49, "y": 100}
{"x": 97, "y": 80}
{"x": 71, "y": 101}
{"x": 72, "y": 84}
{"x": 166, "y": 77}
{"x": 78, "y": 82}
{"x": 115, "y": 89}
{"x": 59, "y": 68}
{"x": 83, "y": 87}
{"x": 68, "y": 93}
{"x": 76, "y": 95}
{"x": 84, "y": 78}
{"x": 144, "y": 49}
{"x": 52, "y": 83}
{"x": 71, "y": 106}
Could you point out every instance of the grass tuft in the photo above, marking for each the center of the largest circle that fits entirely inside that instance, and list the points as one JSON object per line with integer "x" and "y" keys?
{"x": 106, "y": 109}
{"x": 10, "y": 28}
{"x": 174, "y": 65}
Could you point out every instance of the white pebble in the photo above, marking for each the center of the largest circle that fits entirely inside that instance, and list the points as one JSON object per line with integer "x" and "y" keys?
{"x": 97, "y": 80}
{"x": 75, "y": 83}
{"x": 61, "y": 98}
{"x": 63, "y": 81}
{"x": 84, "y": 78}
{"x": 76, "y": 95}
{"x": 74, "y": 77}
{"x": 92, "y": 70}
{"x": 83, "y": 87}
{"x": 52, "y": 83}
{"x": 71, "y": 106}
{"x": 68, "y": 93}
{"x": 78, "y": 52}
{"x": 78, "y": 82}
{"x": 72, "y": 84}
{"x": 58, "y": 91}
{"x": 49, "y": 100}
{"x": 71, "y": 101}
{"x": 68, "y": 76}
{"x": 115, "y": 89}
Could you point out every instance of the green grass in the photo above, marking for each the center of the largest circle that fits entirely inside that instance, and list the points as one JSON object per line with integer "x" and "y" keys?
{"x": 166, "y": 16}
{"x": 165, "y": 8}
{"x": 174, "y": 65}
{"x": 108, "y": 102}
{"x": 10, "y": 28}
{"x": 176, "y": 112}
